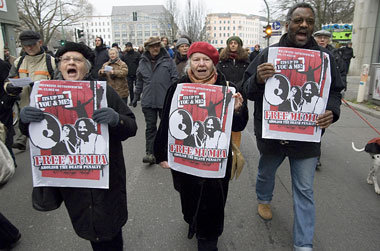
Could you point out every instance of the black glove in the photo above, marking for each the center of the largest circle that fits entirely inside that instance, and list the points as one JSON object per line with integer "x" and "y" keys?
{"x": 31, "y": 114}
{"x": 135, "y": 99}
{"x": 13, "y": 90}
{"x": 106, "y": 115}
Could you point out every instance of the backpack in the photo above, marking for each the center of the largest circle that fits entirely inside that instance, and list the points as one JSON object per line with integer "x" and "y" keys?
{"x": 48, "y": 65}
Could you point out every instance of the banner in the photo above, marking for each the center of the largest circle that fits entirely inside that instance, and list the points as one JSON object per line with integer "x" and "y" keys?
{"x": 67, "y": 148}
{"x": 200, "y": 129}
{"x": 296, "y": 94}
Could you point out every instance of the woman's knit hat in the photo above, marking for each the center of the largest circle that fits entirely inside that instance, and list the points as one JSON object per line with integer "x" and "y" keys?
{"x": 205, "y": 48}
{"x": 237, "y": 39}
{"x": 182, "y": 41}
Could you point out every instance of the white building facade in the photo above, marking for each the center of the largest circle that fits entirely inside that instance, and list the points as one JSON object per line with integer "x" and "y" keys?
{"x": 96, "y": 26}
{"x": 221, "y": 26}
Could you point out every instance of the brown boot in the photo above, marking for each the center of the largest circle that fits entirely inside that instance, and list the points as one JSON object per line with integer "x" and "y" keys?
{"x": 264, "y": 211}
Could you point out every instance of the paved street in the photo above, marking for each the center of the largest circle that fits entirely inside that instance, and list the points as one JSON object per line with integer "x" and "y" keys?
{"x": 348, "y": 210}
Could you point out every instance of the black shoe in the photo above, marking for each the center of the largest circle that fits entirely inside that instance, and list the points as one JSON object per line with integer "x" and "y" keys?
{"x": 149, "y": 158}
{"x": 19, "y": 146}
{"x": 14, "y": 243}
{"x": 130, "y": 104}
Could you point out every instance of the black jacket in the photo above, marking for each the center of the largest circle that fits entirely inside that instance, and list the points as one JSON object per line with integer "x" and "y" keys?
{"x": 131, "y": 58}
{"x": 255, "y": 92}
{"x": 98, "y": 214}
{"x": 210, "y": 192}
{"x": 101, "y": 56}
{"x": 233, "y": 70}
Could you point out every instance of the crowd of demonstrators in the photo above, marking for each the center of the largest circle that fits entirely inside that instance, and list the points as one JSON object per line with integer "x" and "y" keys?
{"x": 35, "y": 64}
{"x": 202, "y": 199}
{"x": 255, "y": 52}
{"x": 101, "y": 56}
{"x": 155, "y": 73}
{"x": 116, "y": 75}
{"x": 131, "y": 58}
{"x": 302, "y": 156}
{"x": 97, "y": 215}
{"x": 181, "y": 55}
{"x": 347, "y": 54}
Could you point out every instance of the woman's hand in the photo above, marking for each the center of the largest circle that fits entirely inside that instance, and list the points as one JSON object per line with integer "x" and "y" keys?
{"x": 238, "y": 101}
{"x": 165, "y": 165}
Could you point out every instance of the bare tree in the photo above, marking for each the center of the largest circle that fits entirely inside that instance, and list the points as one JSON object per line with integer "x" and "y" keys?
{"x": 326, "y": 11}
{"x": 193, "y": 20}
{"x": 44, "y": 16}
{"x": 168, "y": 21}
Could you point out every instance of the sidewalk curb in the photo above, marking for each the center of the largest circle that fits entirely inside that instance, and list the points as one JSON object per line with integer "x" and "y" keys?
{"x": 364, "y": 109}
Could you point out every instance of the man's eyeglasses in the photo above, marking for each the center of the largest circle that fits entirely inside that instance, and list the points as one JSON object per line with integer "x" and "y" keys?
{"x": 75, "y": 59}
{"x": 300, "y": 20}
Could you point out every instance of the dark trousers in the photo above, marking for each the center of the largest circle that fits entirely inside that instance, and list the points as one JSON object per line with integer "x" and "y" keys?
{"x": 116, "y": 244}
{"x": 151, "y": 116}
{"x": 9, "y": 234}
{"x": 131, "y": 81}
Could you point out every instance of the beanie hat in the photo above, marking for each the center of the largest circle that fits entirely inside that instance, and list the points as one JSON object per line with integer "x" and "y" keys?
{"x": 115, "y": 45}
{"x": 237, "y": 39}
{"x": 128, "y": 44}
{"x": 322, "y": 33}
{"x": 182, "y": 41}
{"x": 81, "y": 48}
{"x": 205, "y": 48}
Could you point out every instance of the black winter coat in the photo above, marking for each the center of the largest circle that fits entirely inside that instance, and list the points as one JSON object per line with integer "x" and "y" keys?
{"x": 255, "y": 92}
{"x": 131, "y": 58}
{"x": 101, "y": 56}
{"x": 98, "y": 214}
{"x": 233, "y": 70}
{"x": 210, "y": 192}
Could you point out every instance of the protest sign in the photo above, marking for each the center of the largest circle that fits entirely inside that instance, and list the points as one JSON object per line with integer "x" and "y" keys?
{"x": 67, "y": 148}
{"x": 296, "y": 94}
{"x": 200, "y": 129}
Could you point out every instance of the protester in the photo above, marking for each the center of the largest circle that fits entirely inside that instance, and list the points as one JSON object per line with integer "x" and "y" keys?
{"x": 255, "y": 52}
{"x": 165, "y": 42}
{"x": 181, "y": 55}
{"x": 7, "y": 102}
{"x": 101, "y": 56}
{"x": 8, "y": 58}
{"x": 302, "y": 155}
{"x": 116, "y": 76}
{"x": 233, "y": 62}
{"x": 116, "y": 46}
{"x": 155, "y": 73}
{"x": 131, "y": 58}
{"x": 347, "y": 53}
{"x": 323, "y": 38}
{"x": 141, "y": 50}
{"x": 37, "y": 65}
{"x": 202, "y": 199}
{"x": 97, "y": 215}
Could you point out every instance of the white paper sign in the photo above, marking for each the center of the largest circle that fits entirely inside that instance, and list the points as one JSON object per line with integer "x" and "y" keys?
{"x": 21, "y": 82}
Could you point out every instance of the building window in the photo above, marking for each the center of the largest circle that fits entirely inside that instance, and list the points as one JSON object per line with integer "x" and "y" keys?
{"x": 154, "y": 33}
{"x": 147, "y": 27}
{"x": 139, "y": 34}
{"x": 139, "y": 27}
{"x": 221, "y": 41}
{"x": 124, "y": 33}
{"x": 224, "y": 28}
{"x": 214, "y": 34}
{"x": 147, "y": 33}
{"x": 117, "y": 34}
{"x": 214, "y": 28}
{"x": 220, "y": 28}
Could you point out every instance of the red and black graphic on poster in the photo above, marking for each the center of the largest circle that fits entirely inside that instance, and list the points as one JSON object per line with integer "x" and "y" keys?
{"x": 198, "y": 127}
{"x": 67, "y": 143}
{"x": 296, "y": 94}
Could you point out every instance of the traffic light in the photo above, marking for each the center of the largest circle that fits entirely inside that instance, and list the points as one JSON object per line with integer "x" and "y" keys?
{"x": 134, "y": 16}
{"x": 268, "y": 31}
{"x": 80, "y": 33}
{"x": 62, "y": 42}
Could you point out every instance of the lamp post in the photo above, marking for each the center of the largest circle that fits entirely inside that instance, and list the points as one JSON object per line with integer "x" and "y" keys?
{"x": 60, "y": 9}
{"x": 265, "y": 1}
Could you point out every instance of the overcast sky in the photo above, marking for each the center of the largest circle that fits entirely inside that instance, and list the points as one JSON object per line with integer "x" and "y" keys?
{"x": 257, "y": 7}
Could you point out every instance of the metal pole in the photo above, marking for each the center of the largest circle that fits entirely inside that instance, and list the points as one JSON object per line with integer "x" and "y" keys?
{"x": 63, "y": 32}
{"x": 265, "y": 1}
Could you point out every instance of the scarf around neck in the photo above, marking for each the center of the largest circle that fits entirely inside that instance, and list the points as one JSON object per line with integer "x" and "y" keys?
{"x": 210, "y": 80}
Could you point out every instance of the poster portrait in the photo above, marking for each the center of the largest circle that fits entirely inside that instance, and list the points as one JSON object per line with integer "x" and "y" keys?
{"x": 200, "y": 129}
{"x": 67, "y": 148}
{"x": 296, "y": 94}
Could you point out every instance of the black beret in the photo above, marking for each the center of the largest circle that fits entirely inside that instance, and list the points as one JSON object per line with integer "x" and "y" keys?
{"x": 81, "y": 48}
{"x": 29, "y": 37}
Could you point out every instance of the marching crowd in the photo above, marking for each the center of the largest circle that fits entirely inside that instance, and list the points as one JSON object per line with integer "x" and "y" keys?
{"x": 151, "y": 75}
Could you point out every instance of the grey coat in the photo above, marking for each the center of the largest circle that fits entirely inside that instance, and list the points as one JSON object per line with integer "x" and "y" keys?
{"x": 154, "y": 82}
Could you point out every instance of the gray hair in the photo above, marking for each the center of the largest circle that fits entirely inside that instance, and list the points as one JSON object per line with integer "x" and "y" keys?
{"x": 296, "y": 6}
{"x": 187, "y": 66}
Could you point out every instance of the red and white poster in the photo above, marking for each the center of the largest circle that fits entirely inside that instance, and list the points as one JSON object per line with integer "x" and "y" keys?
{"x": 200, "y": 129}
{"x": 67, "y": 148}
{"x": 296, "y": 94}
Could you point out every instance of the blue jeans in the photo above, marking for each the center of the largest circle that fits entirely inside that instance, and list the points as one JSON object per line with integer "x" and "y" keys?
{"x": 302, "y": 173}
